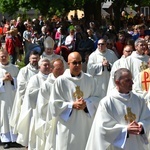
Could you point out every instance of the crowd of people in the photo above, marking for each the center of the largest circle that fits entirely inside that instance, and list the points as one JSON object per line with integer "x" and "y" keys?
{"x": 82, "y": 87}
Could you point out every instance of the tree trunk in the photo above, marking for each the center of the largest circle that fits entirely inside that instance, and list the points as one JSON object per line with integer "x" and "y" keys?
{"x": 97, "y": 12}
{"x": 118, "y": 6}
{"x": 88, "y": 12}
{"x": 117, "y": 14}
{"x": 92, "y": 11}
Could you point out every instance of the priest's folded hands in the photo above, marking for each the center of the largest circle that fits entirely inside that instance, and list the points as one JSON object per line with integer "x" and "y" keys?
{"x": 105, "y": 62}
{"x": 135, "y": 128}
{"x": 79, "y": 104}
{"x": 7, "y": 77}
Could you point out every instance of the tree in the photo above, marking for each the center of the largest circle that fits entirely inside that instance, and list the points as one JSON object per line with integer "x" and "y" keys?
{"x": 50, "y": 7}
{"x": 9, "y": 6}
{"x": 119, "y": 5}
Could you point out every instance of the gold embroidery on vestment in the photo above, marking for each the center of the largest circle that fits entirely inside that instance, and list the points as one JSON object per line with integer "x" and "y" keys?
{"x": 78, "y": 93}
{"x": 143, "y": 66}
{"x": 129, "y": 117}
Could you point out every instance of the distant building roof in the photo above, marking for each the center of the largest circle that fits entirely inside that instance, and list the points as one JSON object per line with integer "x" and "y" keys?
{"x": 128, "y": 9}
{"x": 107, "y": 4}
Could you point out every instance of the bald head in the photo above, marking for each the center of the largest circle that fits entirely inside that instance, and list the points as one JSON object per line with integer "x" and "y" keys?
{"x": 73, "y": 55}
{"x": 74, "y": 63}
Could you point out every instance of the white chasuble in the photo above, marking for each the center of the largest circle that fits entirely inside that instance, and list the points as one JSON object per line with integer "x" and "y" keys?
{"x": 73, "y": 126}
{"x": 109, "y": 129}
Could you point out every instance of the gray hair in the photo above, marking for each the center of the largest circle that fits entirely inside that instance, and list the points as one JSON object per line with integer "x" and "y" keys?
{"x": 43, "y": 60}
{"x": 118, "y": 73}
{"x": 139, "y": 40}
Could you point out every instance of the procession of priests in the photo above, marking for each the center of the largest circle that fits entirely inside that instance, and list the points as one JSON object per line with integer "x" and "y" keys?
{"x": 51, "y": 104}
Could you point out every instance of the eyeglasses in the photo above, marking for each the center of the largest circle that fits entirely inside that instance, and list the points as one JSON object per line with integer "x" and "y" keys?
{"x": 76, "y": 62}
{"x": 101, "y": 44}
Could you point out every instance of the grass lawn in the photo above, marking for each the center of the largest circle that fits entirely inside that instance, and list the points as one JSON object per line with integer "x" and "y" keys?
{"x": 21, "y": 63}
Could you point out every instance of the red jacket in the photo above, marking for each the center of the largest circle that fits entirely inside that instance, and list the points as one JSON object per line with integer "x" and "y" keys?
{"x": 11, "y": 43}
{"x": 120, "y": 46}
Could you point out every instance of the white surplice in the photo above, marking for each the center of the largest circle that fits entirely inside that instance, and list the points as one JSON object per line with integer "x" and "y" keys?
{"x": 98, "y": 71}
{"x": 109, "y": 129}
{"x": 120, "y": 63}
{"x": 26, "y": 119}
{"x": 41, "y": 112}
{"x": 136, "y": 63}
{"x": 73, "y": 126}
{"x": 7, "y": 94}
{"x": 23, "y": 77}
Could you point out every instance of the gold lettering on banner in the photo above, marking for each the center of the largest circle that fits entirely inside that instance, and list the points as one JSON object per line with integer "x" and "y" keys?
{"x": 78, "y": 93}
{"x": 129, "y": 117}
{"x": 143, "y": 66}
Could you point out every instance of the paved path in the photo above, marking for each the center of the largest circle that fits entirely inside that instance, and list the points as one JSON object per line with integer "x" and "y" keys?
{"x": 12, "y": 148}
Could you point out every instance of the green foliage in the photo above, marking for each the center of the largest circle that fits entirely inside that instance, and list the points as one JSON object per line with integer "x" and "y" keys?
{"x": 49, "y": 7}
{"x": 9, "y": 6}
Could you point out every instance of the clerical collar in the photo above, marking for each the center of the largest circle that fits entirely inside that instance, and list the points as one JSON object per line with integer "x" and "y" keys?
{"x": 140, "y": 54}
{"x": 44, "y": 75}
{"x": 125, "y": 95}
{"x": 76, "y": 76}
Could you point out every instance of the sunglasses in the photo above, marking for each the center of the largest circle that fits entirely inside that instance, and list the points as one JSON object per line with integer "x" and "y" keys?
{"x": 76, "y": 62}
{"x": 101, "y": 44}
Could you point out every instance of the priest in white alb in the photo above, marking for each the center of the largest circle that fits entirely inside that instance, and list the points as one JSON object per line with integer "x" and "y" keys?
{"x": 142, "y": 82}
{"x": 122, "y": 118}
{"x": 99, "y": 66}
{"x": 23, "y": 77}
{"x": 43, "y": 113}
{"x": 8, "y": 85}
{"x": 27, "y": 115}
{"x": 137, "y": 61}
{"x": 120, "y": 63}
{"x": 74, "y": 104}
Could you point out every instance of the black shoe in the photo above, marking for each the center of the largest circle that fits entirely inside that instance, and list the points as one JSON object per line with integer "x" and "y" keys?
{"x": 14, "y": 144}
{"x": 6, "y": 145}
